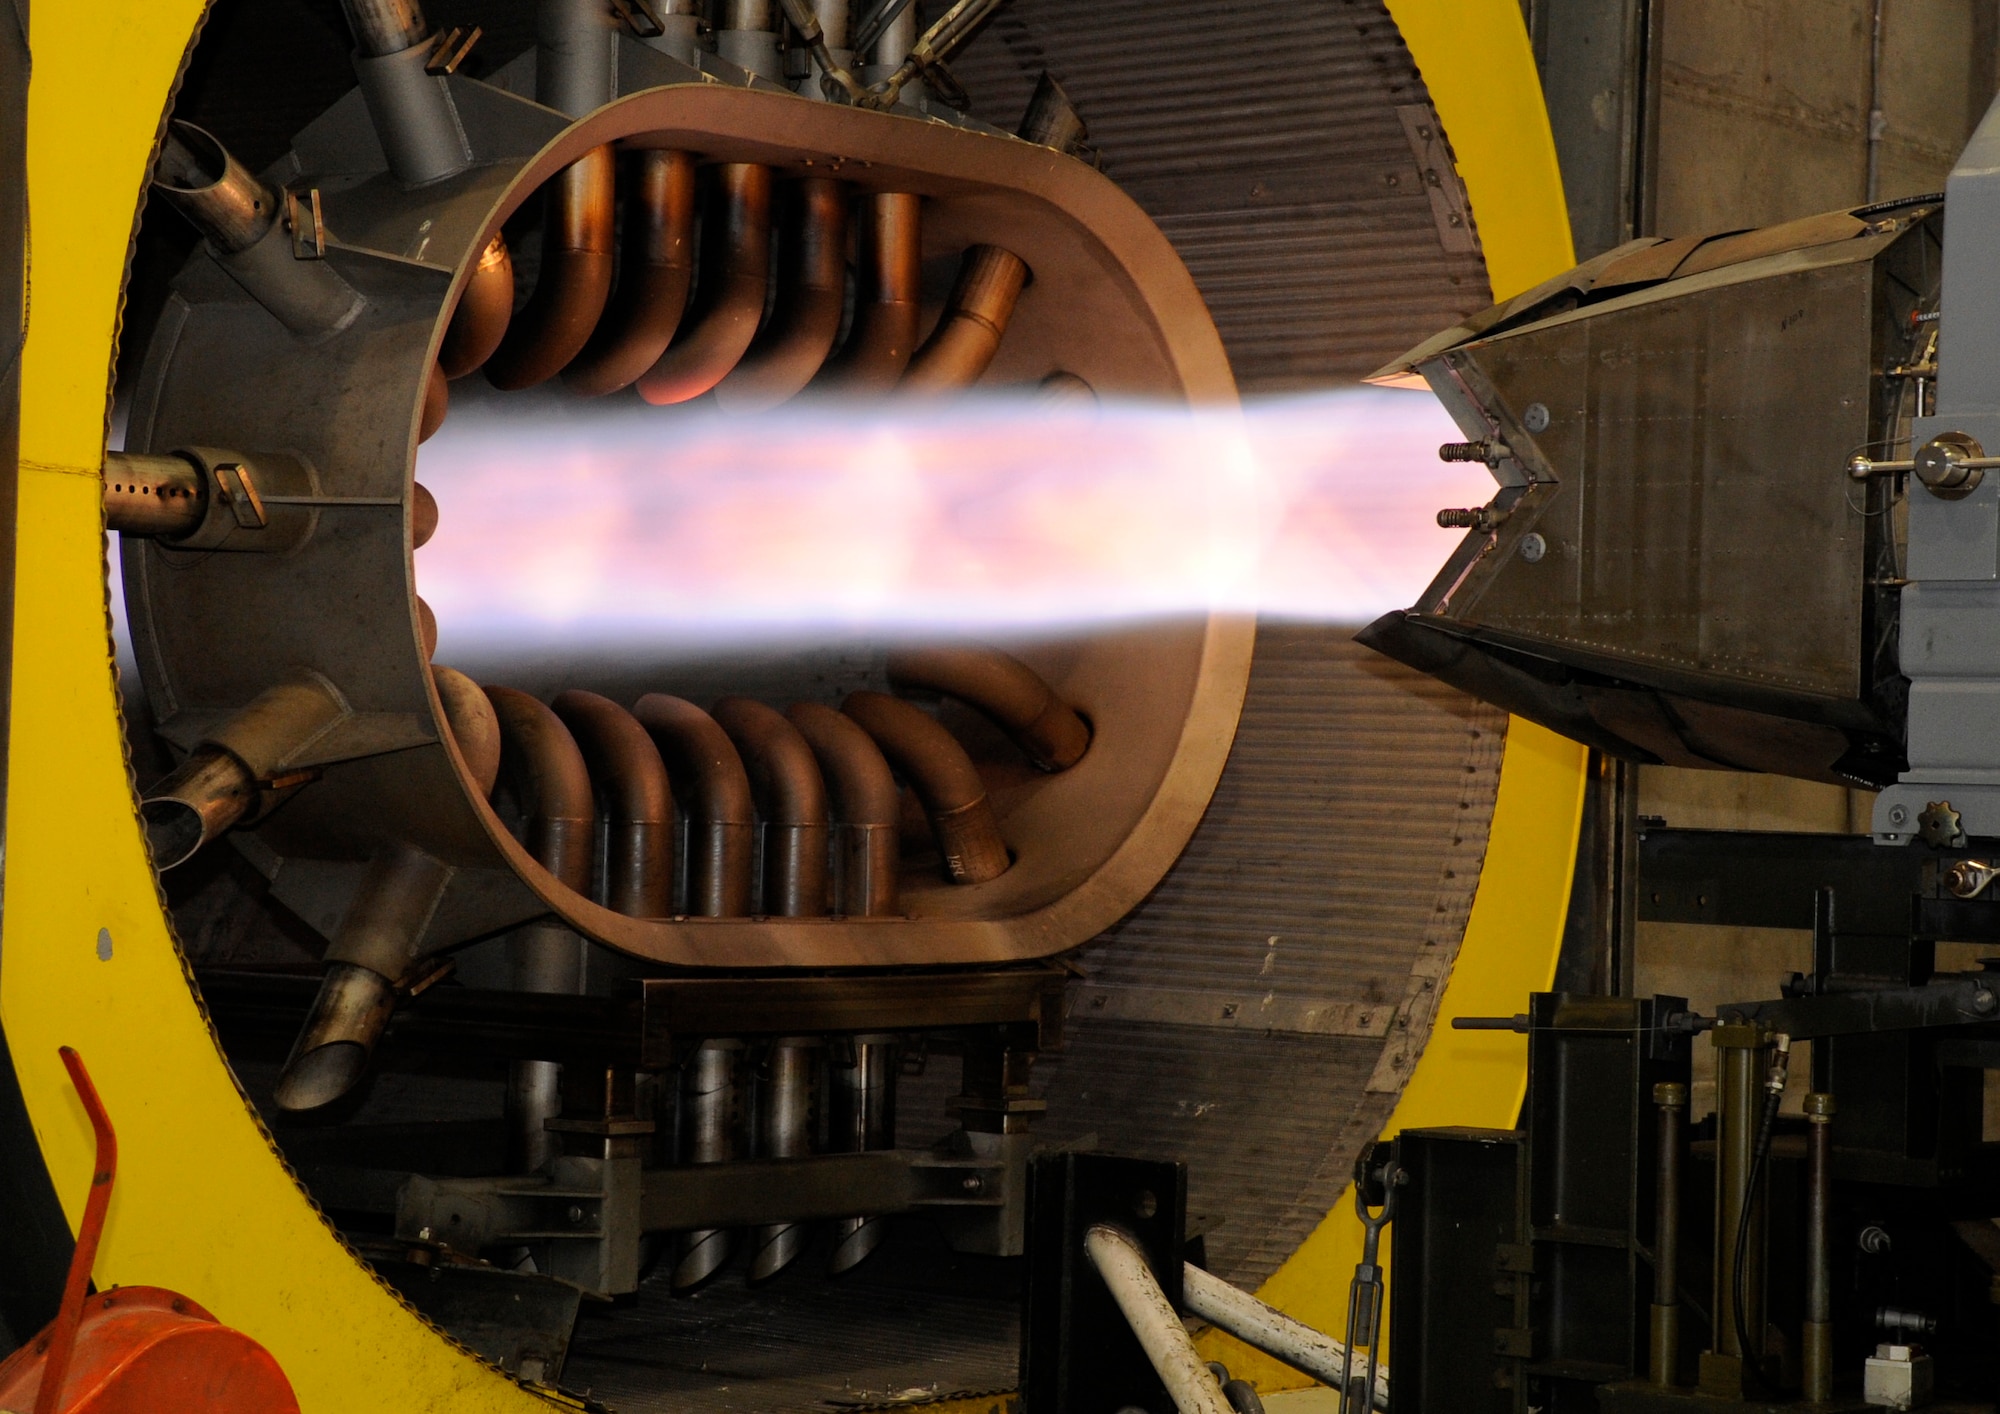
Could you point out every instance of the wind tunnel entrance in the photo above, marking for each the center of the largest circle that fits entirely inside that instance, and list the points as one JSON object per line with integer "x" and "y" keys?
{"x": 661, "y": 974}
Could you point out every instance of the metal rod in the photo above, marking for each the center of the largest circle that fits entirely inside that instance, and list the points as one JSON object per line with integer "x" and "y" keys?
{"x": 1122, "y": 1264}
{"x": 1270, "y": 1330}
{"x": 863, "y": 1101}
{"x": 1878, "y": 123}
{"x": 1671, "y": 1097}
{"x": 1817, "y": 1344}
{"x": 788, "y": 1088}
{"x": 710, "y": 1133}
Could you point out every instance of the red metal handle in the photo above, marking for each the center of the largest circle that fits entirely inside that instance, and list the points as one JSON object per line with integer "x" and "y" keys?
{"x": 62, "y": 1335}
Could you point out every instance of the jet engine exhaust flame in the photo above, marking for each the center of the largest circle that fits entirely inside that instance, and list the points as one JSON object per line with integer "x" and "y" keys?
{"x": 581, "y": 526}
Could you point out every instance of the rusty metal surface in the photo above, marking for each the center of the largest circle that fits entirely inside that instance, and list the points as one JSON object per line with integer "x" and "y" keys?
{"x": 1264, "y": 138}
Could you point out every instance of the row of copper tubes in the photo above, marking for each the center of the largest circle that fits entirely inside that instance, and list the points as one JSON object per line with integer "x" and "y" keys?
{"x": 674, "y": 336}
{"x": 822, "y": 784}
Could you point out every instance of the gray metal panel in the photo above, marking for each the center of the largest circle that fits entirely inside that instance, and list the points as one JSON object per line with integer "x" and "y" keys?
{"x": 1263, "y": 138}
{"x": 1349, "y": 825}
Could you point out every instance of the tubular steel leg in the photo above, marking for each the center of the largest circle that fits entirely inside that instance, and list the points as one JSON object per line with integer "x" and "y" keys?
{"x": 1817, "y": 1345}
{"x": 1671, "y": 1097}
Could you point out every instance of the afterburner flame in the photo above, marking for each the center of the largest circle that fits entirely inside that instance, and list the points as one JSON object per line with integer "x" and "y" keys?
{"x": 582, "y": 523}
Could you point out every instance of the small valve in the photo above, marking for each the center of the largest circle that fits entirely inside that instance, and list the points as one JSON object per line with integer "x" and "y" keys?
{"x": 1490, "y": 450}
{"x": 1481, "y": 518}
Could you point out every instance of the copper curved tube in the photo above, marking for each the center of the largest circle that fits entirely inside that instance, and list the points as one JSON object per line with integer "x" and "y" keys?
{"x": 437, "y": 402}
{"x": 1004, "y": 689}
{"x": 423, "y": 515}
{"x": 574, "y": 281}
{"x": 714, "y": 791}
{"x": 791, "y": 796}
{"x": 638, "y": 801}
{"x": 474, "y": 728}
{"x": 729, "y": 300}
{"x": 867, "y": 809}
{"x": 653, "y": 279}
{"x": 945, "y": 780}
{"x": 968, "y": 334}
{"x": 811, "y": 293}
{"x": 427, "y": 629}
{"x": 484, "y": 310}
{"x": 884, "y": 335}
{"x": 540, "y": 760}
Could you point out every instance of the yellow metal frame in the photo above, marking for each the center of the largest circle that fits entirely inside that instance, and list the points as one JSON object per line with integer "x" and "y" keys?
{"x": 204, "y": 1204}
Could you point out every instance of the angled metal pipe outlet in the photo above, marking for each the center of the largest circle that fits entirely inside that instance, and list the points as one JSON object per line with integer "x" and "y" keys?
{"x": 714, "y": 793}
{"x": 866, "y": 809}
{"x": 729, "y": 294}
{"x": 1006, "y": 691}
{"x": 945, "y": 780}
{"x": 237, "y": 214}
{"x": 790, "y": 795}
{"x": 237, "y": 764}
{"x": 889, "y": 306}
{"x": 369, "y": 960}
{"x": 656, "y": 271}
{"x": 638, "y": 803}
{"x": 410, "y": 106}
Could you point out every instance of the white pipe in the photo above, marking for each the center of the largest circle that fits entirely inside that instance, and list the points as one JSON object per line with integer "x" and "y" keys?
{"x": 1270, "y": 1330}
{"x": 1165, "y": 1340}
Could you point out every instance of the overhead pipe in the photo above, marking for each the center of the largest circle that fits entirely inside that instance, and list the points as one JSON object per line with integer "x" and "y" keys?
{"x": 540, "y": 761}
{"x": 866, "y": 810}
{"x": 242, "y": 760}
{"x": 1006, "y": 691}
{"x": 1119, "y": 1260}
{"x": 237, "y": 214}
{"x": 711, "y": 1133}
{"x": 714, "y": 793}
{"x": 638, "y": 803}
{"x": 680, "y": 25}
{"x": 656, "y": 270}
{"x": 990, "y": 278}
{"x": 484, "y": 309}
{"x": 575, "y": 277}
{"x": 368, "y": 962}
{"x": 812, "y": 291}
{"x": 945, "y": 780}
{"x": 473, "y": 724}
{"x": 786, "y": 1090}
{"x": 863, "y": 1119}
{"x": 746, "y": 34}
{"x": 890, "y": 302}
{"x": 411, "y": 107}
{"x": 729, "y": 296}
{"x": 790, "y": 795}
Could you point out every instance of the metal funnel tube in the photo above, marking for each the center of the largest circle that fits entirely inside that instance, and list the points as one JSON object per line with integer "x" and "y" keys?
{"x": 863, "y": 1104}
{"x": 711, "y": 1133}
{"x": 786, "y": 1093}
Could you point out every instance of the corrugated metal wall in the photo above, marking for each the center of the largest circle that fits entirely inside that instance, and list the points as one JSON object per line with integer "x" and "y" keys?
{"x": 1264, "y": 139}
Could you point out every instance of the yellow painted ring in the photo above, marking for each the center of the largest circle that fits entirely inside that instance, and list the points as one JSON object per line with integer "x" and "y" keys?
{"x": 203, "y": 1204}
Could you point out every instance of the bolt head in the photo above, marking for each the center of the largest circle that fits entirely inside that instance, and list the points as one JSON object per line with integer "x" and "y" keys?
{"x": 1533, "y": 547}
{"x": 1536, "y": 417}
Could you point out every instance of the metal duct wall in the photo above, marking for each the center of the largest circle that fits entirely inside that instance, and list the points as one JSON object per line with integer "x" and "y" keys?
{"x": 1266, "y": 140}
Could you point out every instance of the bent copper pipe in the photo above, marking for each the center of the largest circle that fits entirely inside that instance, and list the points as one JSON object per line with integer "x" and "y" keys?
{"x": 975, "y": 319}
{"x": 729, "y": 297}
{"x": 221, "y": 782}
{"x": 370, "y": 957}
{"x": 540, "y": 759}
{"x": 437, "y": 402}
{"x": 484, "y": 311}
{"x": 811, "y": 293}
{"x": 867, "y": 809}
{"x": 654, "y": 275}
{"x": 884, "y": 335}
{"x": 1005, "y": 690}
{"x": 575, "y": 278}
{"x": 791, "y": 796}
{"x": 945, "y": 780}
{"x": 474, "y": 727}
{"x": 638, "y": 803}
{"x": 714, "y": 791}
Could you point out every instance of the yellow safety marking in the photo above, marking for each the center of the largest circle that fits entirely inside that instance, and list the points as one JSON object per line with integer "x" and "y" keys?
{"x": 202, "y": 1203}
{"x": 1475, "y": 59}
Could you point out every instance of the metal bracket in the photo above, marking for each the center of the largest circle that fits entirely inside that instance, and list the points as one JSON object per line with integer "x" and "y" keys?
{"x": 450, "y": 49}
{"x": 304, "y": 220}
